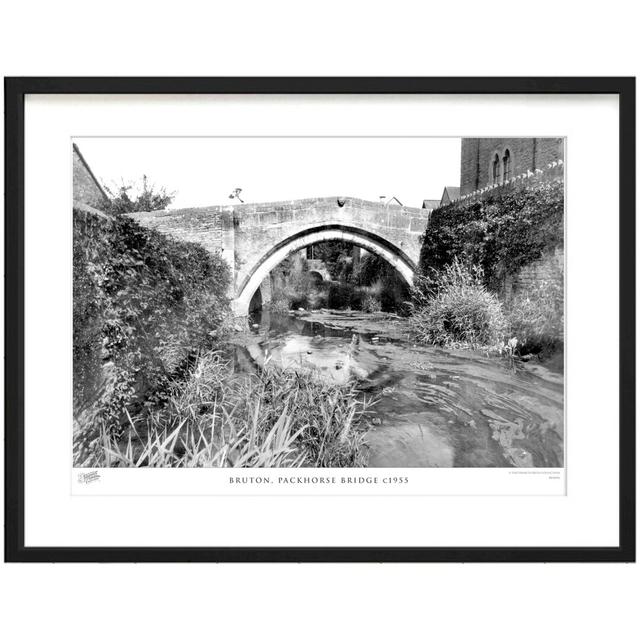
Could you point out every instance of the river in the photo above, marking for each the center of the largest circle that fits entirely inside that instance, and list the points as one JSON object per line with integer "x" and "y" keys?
{"x": 436, "y": 407}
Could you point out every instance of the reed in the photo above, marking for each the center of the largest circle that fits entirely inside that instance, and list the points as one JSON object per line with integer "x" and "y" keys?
{"x": 275, "y": 418}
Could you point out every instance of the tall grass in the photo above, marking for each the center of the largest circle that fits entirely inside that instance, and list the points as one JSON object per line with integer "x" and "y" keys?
{"x": 453, "y": 308}
{"x": 536, "y": 313}
{"x": 276, "y": 418}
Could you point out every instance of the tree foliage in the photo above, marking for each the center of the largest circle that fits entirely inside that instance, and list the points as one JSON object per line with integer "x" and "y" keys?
{"x": 387, "y": 286}
{"x": 336, "y": 255}
{"x": 147, "y": 197}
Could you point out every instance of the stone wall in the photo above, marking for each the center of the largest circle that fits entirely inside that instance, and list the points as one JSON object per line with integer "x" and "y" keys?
{"x": 548, "y": 269}
{"x": 245, "y": 235}
{"x": 204, "y": 225}
{"x": 527, "y": 154}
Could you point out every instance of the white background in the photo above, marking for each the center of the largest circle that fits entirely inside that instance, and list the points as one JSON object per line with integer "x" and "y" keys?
{"x": 402, "y": 38}
{"x": 203, "y": 171}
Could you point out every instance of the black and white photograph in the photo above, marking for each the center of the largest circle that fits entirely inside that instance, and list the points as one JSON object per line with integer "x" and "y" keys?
{"x": 332, "y": 302}
{"x": 319, "y": 320}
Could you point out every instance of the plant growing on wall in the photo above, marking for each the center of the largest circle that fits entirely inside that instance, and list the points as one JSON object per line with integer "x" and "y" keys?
{"x": 143, "y": 305}
{"x": 501, "y": 233}
{"x": 130, "y": 197}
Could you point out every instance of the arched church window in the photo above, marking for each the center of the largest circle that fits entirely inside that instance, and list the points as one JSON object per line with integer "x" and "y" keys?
{"x": 495, "y": 169}
{"x": 506, "y": 166}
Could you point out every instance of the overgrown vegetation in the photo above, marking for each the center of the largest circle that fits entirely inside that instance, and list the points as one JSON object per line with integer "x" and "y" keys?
{"x": 293, "y": 286}
{"x": 536, "y": 313}
{"x": 143, "y": 305}
{"x": 387, "y": 290}
{"x": 501, "y": 233}
{"x": 452, "y": 307}
{"x": 129, "y": 197}
{"x": 472, "y": 250}
{"x": 276, "y": 418}
{"x": 372, "y": 284}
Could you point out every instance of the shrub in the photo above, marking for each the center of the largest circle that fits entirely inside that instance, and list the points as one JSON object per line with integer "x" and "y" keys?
{"x": 147, "y": 197}
{"x": 293, "y": 285}
{"x": 278, "y": 305}
{"x": 384, "y": 282}
{"x": 371, "y": 304}
{"x": 336, "y": 255}
{"x": 454, "y": 308}
{"x": 143, "y": 304}
{"x": 344, "y": 296}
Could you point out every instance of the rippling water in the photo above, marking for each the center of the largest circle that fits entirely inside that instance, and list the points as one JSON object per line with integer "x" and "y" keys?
{"x": 437, "y": 408}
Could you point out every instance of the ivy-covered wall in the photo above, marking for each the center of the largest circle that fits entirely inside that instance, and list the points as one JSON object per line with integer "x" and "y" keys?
{"x": 502, "y": 231}
{"x": 143, "y": 303}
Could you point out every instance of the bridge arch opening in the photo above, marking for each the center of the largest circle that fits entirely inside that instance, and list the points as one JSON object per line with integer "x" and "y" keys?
{"x": 316, "y": 276}
{"x": 359, "y": 237}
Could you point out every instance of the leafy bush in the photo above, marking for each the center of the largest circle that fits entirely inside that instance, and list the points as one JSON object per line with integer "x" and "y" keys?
{"x": 143, "y": 304}
{"x": 279, "y": 305}
{"x": 148, "y": 197}
{"x": 295, "y": 291}
{"x": 336, "y": 255}
{"x": 341, "y": 295}
{"x": 384, "y": 282}
{"x": 291, "y": 284}
{"x": 454, "y": 308}
{"x": 501, "y": 233}
{"x": 371, "y": 304}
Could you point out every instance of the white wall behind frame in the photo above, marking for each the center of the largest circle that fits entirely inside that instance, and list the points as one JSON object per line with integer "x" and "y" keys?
{"x": 373, "y": 601}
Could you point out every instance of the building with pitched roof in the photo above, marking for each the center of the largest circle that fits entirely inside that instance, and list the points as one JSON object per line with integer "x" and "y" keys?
{"x": 86, "y": 188}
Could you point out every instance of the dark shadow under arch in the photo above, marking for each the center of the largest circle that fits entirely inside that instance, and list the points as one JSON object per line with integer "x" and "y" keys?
{"x": 372, "y": 237}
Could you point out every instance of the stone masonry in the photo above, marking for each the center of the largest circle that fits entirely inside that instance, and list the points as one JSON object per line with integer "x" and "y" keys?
{"x": 253, "y": 238}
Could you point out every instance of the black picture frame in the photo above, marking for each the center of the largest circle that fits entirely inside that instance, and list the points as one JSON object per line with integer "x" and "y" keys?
{"x": 15, "y": 91}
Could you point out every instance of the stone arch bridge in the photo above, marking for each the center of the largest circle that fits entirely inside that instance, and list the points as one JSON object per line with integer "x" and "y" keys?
{"x": 254, "y": 238}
